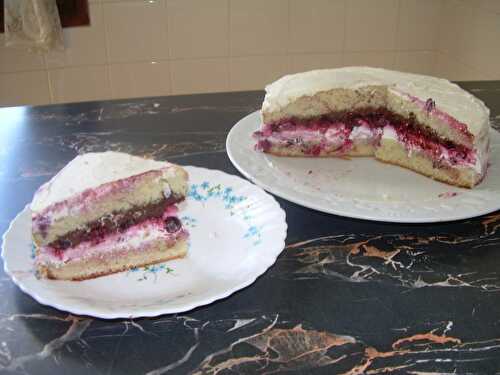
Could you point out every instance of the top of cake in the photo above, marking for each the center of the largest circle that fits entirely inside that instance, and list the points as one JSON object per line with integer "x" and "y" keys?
{"x": 98, "y": 168}
{"x": 449, "y": 97}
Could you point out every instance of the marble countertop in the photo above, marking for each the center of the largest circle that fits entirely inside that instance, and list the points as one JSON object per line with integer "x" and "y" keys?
{"x": 346, "y": 296}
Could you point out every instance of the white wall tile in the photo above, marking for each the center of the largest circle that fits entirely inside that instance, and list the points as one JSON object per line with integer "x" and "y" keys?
{"x": 481, "y": 48}
{"x": 468, "y": 37}
{"x": 456, "y": 26}
{"x": 378, "y": 59}
{"x": 197, "y": 76}
{"x": 258, "y": 27}
{"x": 302, "y": 63}
{"x": 84, "y": 45}
{"x": 139, "y": 79}
{"x": 418, "y": 24}
{"x": 371, "y": 25}
{"x": 136, "y": 31}
{"x": 450, "y": 68}
{"x": 489, "y": 5}
{"x": 317, "y": 26}
{"x": 18, "y": 59}
{"x": 198, "y": 28}
{"x": 419, "y": 62}
{"x": 191, "y": 41}
{"x": 24, "y": 88}
{"x": 253, "y": 73}
{"x": 79, "y": 84}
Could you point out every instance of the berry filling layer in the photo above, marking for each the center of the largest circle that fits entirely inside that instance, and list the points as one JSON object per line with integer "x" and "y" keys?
{"x": 138, "y": 237}
{"x": 338, "y": 133}
{"x": 96, "y": 231}
{"x": 441, "y": 155}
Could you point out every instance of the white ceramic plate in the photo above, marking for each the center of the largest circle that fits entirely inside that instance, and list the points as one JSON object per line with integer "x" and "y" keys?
{"x": 236, "y": 233}
{"x": 362, "y": 187}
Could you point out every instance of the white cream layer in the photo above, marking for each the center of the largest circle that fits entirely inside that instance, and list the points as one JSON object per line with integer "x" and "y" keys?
{"x": 334, "y": 137}
{"x": 135, "y": 238}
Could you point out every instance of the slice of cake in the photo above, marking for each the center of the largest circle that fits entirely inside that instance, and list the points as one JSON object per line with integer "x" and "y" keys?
{"x": 108, "y": 212}
{"x": 422, "y": 123}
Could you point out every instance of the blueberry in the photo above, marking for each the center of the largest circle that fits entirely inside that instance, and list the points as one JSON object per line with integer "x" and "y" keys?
{"x": 430, "y": 105}
{"x": 172, "y": 224}
{"x": 64, "y": 244}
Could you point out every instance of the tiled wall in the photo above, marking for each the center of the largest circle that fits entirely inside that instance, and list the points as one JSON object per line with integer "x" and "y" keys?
{"x": 469, "y": 40}
{"x": 159, "y": 47}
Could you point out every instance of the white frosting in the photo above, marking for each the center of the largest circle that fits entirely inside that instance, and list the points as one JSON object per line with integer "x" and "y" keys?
{"x": 89, "y": 171}
{"x": 333, "y": 137}
{"x": 363, "y": 132}
{"x": 448, "y": 97}
{"x": 390, "y": 133}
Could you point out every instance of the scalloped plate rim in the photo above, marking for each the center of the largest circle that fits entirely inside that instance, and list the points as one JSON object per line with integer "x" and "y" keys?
{"x": 155, "y": 312}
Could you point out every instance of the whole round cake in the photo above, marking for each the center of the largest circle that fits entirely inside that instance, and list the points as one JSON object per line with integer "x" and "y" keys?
{"x": 422, "y": 123}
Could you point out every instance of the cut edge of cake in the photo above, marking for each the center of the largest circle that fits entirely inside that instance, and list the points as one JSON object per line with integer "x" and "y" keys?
{"x": 139, "y": 238}
{"x": 131, "y": 192}
{"x": 85, "y": 269}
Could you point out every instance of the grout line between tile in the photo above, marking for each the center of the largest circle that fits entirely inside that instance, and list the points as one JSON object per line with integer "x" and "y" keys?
{"x": 167, "y": 23}
{"x": 440, "y": 30}
{"x": 395, "y": 62}
{"x": 229, "y": 53}
{"x": 220, "y": 57}
{"x": 288, "y": 26}
{"x": 51, "y": 91}
{"x": 169, "y": 52}
{"x": 106, "y": 52}
{"x": 344, "y": 38}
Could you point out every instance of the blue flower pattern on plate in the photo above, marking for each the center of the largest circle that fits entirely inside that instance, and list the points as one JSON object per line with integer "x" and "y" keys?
{"x": 151, "y": 271}
{"x": 189, "y": 221}
{"x": 205, "y": 191}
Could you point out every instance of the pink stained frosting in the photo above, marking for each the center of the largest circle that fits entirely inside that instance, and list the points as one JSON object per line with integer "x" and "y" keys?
{"x": 430, "y": 107}
{"x": 85, "y": 199}
{"x": 325, "y": 136}
{"x": 436, "y": 151}
{"x": 321, "y": 135}
{"x": 135, "y": 238}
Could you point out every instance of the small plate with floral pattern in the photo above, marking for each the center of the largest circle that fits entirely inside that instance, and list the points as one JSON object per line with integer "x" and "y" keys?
{"x": 236, "y": 233}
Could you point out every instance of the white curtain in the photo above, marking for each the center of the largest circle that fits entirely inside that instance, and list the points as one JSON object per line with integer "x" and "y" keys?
{"x": 33, "y": 25}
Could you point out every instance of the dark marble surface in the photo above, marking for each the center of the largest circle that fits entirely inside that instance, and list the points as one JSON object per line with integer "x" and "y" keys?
{"x": 346, "y": 296}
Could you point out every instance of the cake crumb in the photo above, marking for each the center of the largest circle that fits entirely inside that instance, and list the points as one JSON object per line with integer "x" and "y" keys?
{"x": 448, "y": 194}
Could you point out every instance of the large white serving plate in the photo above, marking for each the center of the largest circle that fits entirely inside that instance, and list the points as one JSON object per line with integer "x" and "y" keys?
{"x": 362, "y": 188}
{"x": 237, "y": 231}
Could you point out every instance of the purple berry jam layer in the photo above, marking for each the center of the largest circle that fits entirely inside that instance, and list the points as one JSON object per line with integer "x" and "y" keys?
{"x": 96, "y": 231}
{"x": 338, "y": 132}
